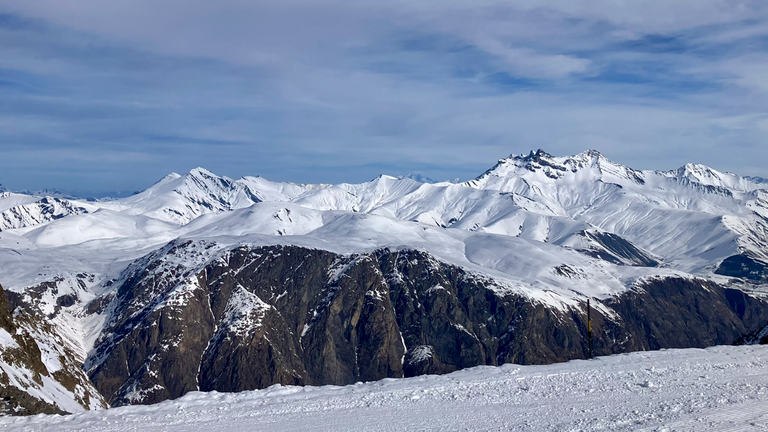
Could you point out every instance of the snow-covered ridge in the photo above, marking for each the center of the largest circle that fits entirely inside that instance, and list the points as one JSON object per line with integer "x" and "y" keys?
{"x": 676, "y": 216}
{"x": 27, "y": 214}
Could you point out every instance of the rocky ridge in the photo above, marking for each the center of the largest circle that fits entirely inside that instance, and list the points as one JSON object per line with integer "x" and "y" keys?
{"x": 310, "y": 317}
{"x": 34, "y": 377}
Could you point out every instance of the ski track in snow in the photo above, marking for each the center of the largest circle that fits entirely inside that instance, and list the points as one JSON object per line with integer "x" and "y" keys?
{"x": 715, "y": 389}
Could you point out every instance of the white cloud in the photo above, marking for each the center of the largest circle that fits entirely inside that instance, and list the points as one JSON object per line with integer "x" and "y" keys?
{"x": 267, "y": 87}
{"x": 267, "y": 31}
{"x": 750, "y": 71}
{"x": 528, "y": 63}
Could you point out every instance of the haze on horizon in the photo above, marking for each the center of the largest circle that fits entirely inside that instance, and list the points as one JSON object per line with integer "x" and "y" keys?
{"x": 104, "y": 96}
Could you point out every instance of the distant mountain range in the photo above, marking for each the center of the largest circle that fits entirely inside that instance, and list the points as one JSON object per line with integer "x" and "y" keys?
{"x": 202, "y": 282}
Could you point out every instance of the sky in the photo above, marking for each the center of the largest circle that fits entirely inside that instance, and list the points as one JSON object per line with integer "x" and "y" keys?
{"x": 108, "y": 96}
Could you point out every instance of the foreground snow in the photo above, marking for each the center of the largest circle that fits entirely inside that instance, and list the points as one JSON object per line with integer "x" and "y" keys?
{"x": 720, "y": 388}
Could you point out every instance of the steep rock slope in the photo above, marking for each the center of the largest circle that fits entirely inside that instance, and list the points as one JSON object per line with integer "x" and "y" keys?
{"x": 37, "y": 378}
{"x": 250, "y": 317}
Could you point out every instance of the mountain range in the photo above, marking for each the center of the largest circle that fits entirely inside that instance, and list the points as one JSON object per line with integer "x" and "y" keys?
{"x": 202, "y": 282}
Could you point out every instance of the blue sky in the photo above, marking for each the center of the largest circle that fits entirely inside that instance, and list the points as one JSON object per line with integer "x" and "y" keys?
{"x": 102, "y": 95}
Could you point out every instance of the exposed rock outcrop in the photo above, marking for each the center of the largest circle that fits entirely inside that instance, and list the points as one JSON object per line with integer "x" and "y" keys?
{"x": 35, "y": 377}
{"x": 251, "y": 317}
{"x": 743, "y": 266}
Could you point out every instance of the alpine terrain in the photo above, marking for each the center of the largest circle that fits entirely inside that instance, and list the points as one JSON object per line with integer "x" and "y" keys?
{"x": 204, "y": 283}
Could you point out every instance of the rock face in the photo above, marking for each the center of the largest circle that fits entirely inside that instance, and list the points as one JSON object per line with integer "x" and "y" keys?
{"x": 743, "y": 266}
{"x": 22, "y": 368}
{"x": 251, "y": 317}
{"x": 616, "y": 250}
{"x": 19, "y": 351}
{"x": 39, "y": 371}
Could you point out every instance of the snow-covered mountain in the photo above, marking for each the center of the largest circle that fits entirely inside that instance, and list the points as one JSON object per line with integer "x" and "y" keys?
{"x": 199, "y": 268}
{"x": 22, "y": 211}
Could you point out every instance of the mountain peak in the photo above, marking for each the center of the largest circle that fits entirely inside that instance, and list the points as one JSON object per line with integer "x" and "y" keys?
{"x": 518, "y": 172}
{"x": 385, "y": 177}
{"x": 541, "y": 160}
{"x": 712, "y": 178}
{"x": 592, "y": 153}
{"x": 201, "y": 172}
{"x": 541, "y": 155}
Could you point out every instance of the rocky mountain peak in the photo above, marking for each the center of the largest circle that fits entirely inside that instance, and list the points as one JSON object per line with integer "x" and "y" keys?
{"x": 202, "y": 172}
{"x": 724, "y": 183}
{"x": 556, "y": 167}
{"x": 204, "y": 180}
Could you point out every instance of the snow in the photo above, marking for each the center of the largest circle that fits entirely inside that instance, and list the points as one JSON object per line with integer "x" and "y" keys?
{"x": 671, "y": 215}
{"x": 243, "y": 314}
{"x": 9, "y": 200}
{"x": 518, "y": 227}
{"x": 421, "y": 353}
{"x": 6, "y": 340}
{"x": 716, "y": 389}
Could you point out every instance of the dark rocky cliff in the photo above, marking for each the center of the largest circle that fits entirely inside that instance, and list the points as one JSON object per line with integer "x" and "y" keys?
{"x": 255, "y": 316}
{"x": 22, "y": 353}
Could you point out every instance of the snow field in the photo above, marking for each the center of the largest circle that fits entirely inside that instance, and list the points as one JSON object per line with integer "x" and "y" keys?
{"x": 715, "y": 389}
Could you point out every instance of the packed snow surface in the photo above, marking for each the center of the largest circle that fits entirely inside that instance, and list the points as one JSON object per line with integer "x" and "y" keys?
{"x": 715, "y": 389}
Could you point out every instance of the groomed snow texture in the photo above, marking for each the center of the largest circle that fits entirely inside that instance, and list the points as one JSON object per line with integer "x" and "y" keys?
{"x": 716, "y": 389}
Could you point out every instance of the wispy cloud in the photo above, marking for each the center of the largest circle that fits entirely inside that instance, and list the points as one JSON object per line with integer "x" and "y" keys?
{"x": 121, "y": 92}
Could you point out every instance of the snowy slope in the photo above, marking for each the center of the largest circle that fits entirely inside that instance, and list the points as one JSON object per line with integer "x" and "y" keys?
{"x": 717, "y": 389}
{"x": 21, "y": 212}
{"x": 689, "y": 218}
{"x": 10, "y": 199}
{"x": 181, "y": 199}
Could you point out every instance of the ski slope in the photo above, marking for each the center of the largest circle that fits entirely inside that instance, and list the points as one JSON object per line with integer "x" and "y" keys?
{"x": 716, "y": 389}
